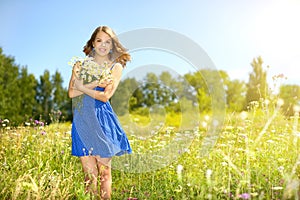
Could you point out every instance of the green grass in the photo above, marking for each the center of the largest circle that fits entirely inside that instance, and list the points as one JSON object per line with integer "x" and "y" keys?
{"x": 255, "y": 155}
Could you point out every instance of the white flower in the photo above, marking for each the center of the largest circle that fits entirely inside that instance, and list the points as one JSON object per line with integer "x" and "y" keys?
{"x": 206, "y": 117}
{"x": 296, "y": 108}
{"x": 179, "y": 168}
{"x": 266, "y": 102}
{"x": 281, "y": 168}
{"x": 280, "y": 102}
{"x": 208, "y": 173}
{"x": 5, "y": 121}
{"x": 179, "y": 172}
{"x": 277, "y": 188}
{"x": 243, "y": 115}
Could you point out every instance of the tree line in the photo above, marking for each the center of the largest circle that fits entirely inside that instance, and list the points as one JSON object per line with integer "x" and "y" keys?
{"x": 23, "y": 97}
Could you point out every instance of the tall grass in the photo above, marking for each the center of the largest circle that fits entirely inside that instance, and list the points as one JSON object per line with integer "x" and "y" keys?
{"x": 256, "y": 156}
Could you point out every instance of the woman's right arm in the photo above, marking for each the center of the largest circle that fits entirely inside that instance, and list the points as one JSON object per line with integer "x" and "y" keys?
{"x": 72, "y": 91}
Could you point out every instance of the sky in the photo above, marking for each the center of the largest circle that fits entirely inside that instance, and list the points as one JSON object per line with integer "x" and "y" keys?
{"x": 45, "y": 35}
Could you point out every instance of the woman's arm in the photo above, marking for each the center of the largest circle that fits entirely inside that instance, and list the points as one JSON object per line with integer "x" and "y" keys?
{"x": 109, "y": 89}
{"x": 72, "y": 91}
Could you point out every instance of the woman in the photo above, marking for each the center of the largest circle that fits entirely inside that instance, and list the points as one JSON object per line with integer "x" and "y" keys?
{"x": 97, "y": 135}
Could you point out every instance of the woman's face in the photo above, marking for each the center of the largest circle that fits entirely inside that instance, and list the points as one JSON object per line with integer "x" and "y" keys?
{"x": 102, "y": 44}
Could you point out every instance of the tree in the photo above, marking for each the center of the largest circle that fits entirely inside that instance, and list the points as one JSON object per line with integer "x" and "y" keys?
{"x": 207, "y": 86}
{"x": 61, "y": 104}
{"x": 123, "y": 98}
{"x": 28, "y": 83}
{"x": 10, "y": 89}
{"x": 235, "y": 95}
{"x": 291, "y": 96}
{"x": 257, "y": 87}
{"x": 44, "y": 96}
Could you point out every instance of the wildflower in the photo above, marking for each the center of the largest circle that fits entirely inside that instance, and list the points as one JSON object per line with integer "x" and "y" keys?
{"x": 270, "y": 141}
{"x": 266, "y": 102}
{"x": 89, "y": 70}
{"x": 215, "y": 123}
{"x": 277, "y": 188}
{"x": 244, "y": 196}
{"x": 43, "y": 132}
{"x": 204, "y": 124}
{"x": 280, "y": 102}
{"x": 5, "y": 121}
{"x": 27, "y": 123}
{"x": 296, "y": 108}
{"x": 208, "y": 173}
{"x": 281, "y": 168}
{"x": 243, "y": 115}
{"x": 206, "y": 117}
{"x": 179, "y": 172}
{"x": 91, "y": 151}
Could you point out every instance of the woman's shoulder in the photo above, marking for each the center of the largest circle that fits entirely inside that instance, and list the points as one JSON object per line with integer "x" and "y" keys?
{"x": 116, "y": 65}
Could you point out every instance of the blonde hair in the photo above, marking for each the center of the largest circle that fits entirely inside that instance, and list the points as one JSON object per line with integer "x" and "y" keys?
{"x": 118, "y": 54}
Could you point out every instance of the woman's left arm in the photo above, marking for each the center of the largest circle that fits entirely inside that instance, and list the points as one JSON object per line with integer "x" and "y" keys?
{"x": 109, "y": 89}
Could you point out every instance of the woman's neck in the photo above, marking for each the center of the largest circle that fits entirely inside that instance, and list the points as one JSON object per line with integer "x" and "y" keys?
{"x": 101, "y": 59}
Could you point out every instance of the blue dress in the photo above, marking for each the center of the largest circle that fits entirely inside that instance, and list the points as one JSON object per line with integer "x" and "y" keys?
{"x": 96, "y": 129}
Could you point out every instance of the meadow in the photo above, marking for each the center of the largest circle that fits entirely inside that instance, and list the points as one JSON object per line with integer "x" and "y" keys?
{"x": 256, "y": 156}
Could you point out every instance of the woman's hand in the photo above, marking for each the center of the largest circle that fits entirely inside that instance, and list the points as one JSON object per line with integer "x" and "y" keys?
{"x": 105, "y": 82}
{"x": 92, "y": 85}
{"x": 78, "y": 84}
{"x": 76, "y": 69}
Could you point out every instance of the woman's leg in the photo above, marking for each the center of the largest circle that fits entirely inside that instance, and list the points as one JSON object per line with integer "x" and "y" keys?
{"x": 105, "y": 177}
{"x": 89, "y": 165}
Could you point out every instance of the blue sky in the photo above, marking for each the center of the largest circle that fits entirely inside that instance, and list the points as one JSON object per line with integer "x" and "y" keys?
{"x": 46, "y": 34}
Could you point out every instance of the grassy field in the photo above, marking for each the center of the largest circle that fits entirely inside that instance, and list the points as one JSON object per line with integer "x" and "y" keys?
{"x": 255, "y": 156}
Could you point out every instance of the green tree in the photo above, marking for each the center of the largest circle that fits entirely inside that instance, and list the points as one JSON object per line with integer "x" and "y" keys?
{"x": 45, "y": 96}
{"x": 257, "y": 87}
{"x": 123, "y": 99}
{"x": 235, "y": 95}
{"x": 291, "y": 96}
{"x": 207, "y": 86}
{"x": 28, "y": 85}
{"x": 10, "y": 89}
{"x": 61, "y": 103}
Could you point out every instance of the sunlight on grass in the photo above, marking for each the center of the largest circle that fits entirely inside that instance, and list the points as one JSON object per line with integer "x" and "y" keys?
{"x": 256, "y": 156}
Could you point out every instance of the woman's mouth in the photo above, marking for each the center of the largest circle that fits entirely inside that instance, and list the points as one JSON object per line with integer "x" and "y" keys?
{"x": 102, "y": 50}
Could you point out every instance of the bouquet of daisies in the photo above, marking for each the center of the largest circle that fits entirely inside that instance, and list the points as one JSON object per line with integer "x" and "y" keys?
{"x": 90, "y": 71}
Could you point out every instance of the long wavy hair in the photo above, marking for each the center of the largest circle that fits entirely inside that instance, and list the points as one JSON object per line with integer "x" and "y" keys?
{"x": 118, "y": 54}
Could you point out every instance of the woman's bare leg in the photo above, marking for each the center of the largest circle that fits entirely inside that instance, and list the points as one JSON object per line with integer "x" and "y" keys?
{"x": 106, "y": 180}
{"x": 89, "y": 165}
